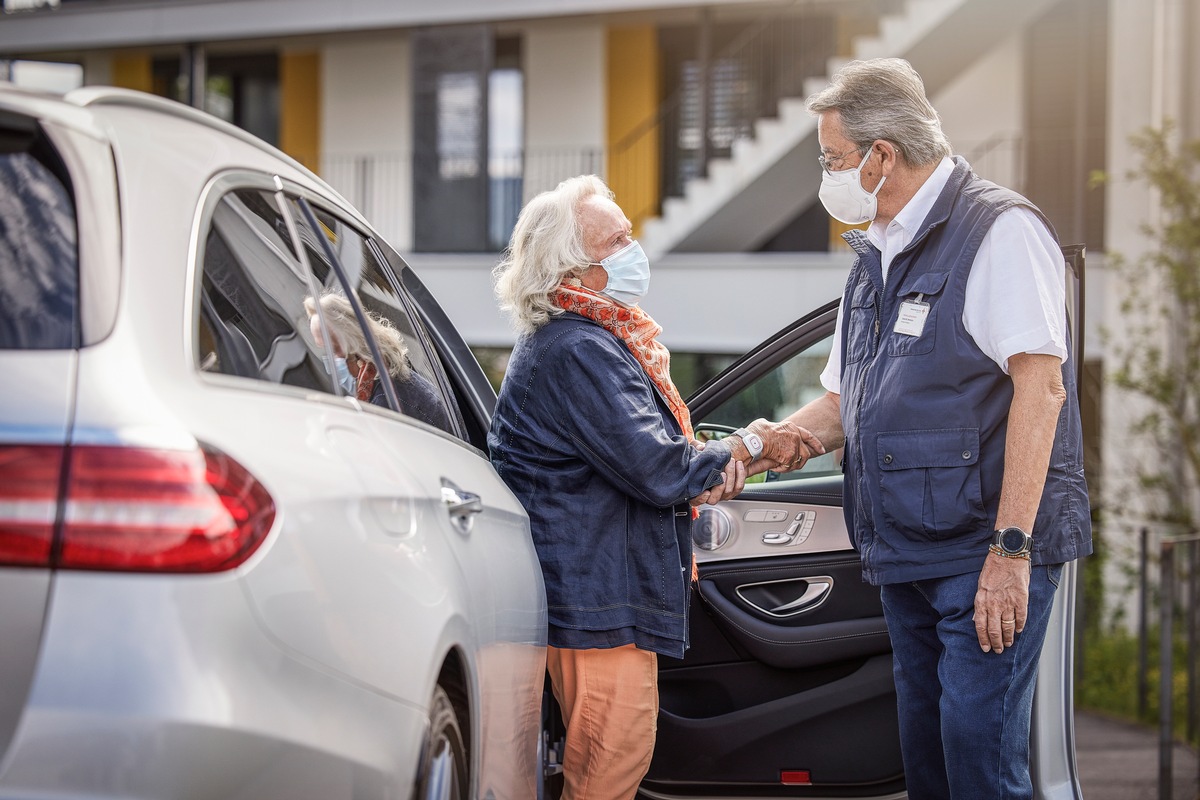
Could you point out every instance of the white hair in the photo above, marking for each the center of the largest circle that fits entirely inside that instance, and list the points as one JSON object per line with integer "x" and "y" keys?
{"x": 884, "y": 98}
{"x": 546, "y": 248}
{"x": 344, "y": 328}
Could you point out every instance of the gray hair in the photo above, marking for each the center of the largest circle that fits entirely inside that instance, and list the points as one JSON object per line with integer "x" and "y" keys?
{"x": 884, "y": 98}
{"x": 344, "y": 328}
{"x": 546, "y": 248}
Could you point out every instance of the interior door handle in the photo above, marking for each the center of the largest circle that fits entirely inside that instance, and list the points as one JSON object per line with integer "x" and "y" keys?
{"x": 778, "y": 598}
{"x": 813, "y": 596}
{"x": 462, "y": 506}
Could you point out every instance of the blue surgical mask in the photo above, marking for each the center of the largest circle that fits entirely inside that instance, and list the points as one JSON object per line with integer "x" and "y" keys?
{"x": 628, "y": 274}
{"x": 343, "y": 375}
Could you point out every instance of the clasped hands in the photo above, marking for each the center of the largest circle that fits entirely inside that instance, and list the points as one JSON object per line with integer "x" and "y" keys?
{"x": 786, "y": 446}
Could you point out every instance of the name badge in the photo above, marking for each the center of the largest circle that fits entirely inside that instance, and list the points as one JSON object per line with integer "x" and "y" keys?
{"x": 911, "y": 320}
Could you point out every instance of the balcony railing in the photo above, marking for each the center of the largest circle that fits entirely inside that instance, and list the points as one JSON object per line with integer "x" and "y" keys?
{"x": 380, "y": 185}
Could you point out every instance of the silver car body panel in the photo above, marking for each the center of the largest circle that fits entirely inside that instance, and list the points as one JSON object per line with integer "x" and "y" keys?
{"x": 308, "y": 670}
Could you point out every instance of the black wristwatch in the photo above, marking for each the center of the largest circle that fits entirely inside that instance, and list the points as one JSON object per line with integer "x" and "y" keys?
{"x": 1011, "y": 542}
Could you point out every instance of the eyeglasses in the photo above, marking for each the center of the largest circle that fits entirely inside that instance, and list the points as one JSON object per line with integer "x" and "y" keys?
{"x": 826, "y": 161}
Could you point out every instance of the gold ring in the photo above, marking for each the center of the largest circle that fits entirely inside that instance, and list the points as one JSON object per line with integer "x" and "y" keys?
{"x": 1012, "y": 621}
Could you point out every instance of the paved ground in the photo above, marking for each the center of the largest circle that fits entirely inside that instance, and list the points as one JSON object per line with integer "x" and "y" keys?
{"x": 1120, "y": 761}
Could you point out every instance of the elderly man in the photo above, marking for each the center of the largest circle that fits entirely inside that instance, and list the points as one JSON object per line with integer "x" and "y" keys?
{"x": 964, "y": 486}
{"x": 593, "y": 437}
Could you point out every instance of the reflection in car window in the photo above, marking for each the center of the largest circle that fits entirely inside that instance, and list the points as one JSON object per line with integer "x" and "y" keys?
{"x": 39, "y": 270}
{"x": 252, "y": 321}
{"x": 776, "y": 395}
{"x": 417, "y": 378}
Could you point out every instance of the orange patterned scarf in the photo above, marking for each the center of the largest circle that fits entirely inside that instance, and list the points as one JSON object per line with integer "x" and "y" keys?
{"x": 639, "y": 331}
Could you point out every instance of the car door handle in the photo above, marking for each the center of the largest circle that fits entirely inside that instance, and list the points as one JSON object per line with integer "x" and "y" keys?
{"x": 462, "y": 506}
{"x": 777, "y": 597}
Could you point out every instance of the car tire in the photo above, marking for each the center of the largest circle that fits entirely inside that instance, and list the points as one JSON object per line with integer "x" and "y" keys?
{"x": 443, "y": 774}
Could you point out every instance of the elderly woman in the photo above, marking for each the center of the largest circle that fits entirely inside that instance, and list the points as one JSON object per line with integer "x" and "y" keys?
{"x": 593, "y": 437}
{"x": 357, "y": 371}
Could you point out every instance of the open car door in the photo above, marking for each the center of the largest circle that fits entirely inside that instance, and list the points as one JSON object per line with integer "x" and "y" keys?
{"x": 787, "y": 689}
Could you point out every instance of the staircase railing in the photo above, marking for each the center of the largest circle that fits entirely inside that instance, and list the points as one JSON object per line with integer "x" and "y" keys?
{"x": 745, "y": 80}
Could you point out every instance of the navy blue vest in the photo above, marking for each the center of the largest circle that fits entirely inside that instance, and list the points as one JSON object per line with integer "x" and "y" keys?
{"x": 925, "y": 416}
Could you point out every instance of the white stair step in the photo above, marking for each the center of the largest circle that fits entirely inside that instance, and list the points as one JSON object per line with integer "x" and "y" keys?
{"x": 792, "y": 111}
{"x": 766, "y": 129}
{"x": 814, "y": 85}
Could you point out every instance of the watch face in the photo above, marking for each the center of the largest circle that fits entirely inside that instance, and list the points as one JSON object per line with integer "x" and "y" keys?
{"x": 1012, "y": 540}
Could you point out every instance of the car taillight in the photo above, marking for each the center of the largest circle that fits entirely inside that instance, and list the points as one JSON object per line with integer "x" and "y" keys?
{"x": 29, "y": 484}
{"x": 143, "y": 510}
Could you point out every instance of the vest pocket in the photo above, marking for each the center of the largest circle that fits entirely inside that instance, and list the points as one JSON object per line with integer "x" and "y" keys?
{"x": 929, "y": 484}
{"x": 928, "y": 287}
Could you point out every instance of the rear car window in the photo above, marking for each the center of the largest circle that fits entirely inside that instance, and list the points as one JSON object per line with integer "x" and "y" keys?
{"x": 39, "y": 262}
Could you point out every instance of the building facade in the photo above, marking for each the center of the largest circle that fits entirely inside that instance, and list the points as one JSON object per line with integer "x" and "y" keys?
{"x": 440, "y": 119}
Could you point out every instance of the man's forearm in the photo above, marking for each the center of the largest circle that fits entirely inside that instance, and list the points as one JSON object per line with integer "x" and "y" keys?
{"x": 1038, "y": 396}
{"x": 823, "y": 417}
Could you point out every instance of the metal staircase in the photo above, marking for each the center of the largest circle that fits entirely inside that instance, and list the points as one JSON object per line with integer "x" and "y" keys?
{"x": 771, "y": 177}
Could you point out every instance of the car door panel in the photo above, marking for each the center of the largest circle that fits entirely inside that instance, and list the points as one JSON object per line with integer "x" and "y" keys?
{"x": 787, "y": 688}
{"x": 761, "y": 724}
{"x": 738, "y": 596}
{"x": 789, "y": 671}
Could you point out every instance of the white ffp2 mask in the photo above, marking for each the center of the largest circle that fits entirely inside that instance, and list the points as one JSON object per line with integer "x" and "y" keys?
{"x": 844, "y": 197}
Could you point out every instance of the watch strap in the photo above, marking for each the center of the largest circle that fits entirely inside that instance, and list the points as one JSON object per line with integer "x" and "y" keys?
{"x": 753, "y": 442}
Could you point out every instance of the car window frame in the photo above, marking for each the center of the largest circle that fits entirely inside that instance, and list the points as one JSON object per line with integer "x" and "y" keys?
{"x": 429, "y": 350}
{"x": 770, "y": 355}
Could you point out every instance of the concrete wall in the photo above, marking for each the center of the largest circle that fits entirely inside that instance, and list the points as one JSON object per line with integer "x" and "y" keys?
{"x": 366, "y": 111}
{"x": 983, "y": 112}
{"x": 564, "y": 102}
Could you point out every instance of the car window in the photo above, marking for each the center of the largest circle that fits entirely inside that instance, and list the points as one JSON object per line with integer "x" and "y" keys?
{"x": 39, "y": 268}
{"x": 257, "y": 318}
{"x": 774, "y": 396}
{"x": 421, "y": 388}
{"x": 252, "y": 322}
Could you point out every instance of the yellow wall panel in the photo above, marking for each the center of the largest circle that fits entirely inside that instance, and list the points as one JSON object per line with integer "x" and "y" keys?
{"x": 633, "y": 94}
{"x": 300, "y": 107}
{"x": 133, "y": 71}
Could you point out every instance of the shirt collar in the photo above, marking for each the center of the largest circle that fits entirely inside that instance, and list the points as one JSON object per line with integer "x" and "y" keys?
{"x": 906, "y": 223}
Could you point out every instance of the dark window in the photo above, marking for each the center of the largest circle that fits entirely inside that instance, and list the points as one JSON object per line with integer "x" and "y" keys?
{"x": 469, "y": 159}
{"x": 39, "y": 266}
{"x": 242, "y": 89}
{"x": 252, "y": 320}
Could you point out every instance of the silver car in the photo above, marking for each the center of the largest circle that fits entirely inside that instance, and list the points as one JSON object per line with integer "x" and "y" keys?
{"x": 221, "y": 575}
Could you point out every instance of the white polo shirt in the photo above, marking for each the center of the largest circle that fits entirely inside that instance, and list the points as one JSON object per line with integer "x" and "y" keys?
{"x": 1016, "y": 293}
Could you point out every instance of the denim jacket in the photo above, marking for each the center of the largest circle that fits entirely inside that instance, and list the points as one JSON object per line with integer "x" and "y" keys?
{"x": 589, "y": 445}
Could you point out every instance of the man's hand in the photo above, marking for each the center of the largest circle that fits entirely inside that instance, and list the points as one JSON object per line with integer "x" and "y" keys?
{"x": 1002, "y": 602}
{"x": 734, "y": 481}
{"x": 786, "y": 446}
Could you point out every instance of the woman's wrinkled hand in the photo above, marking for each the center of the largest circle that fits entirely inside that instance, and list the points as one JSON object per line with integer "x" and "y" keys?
{"x": 733, "y": 481}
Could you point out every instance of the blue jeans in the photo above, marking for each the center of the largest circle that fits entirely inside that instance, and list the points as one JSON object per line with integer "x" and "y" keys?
{"x": 964, "y": 714}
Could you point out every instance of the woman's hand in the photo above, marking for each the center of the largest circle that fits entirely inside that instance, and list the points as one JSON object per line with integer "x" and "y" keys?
{"x": 734, "y": 480}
